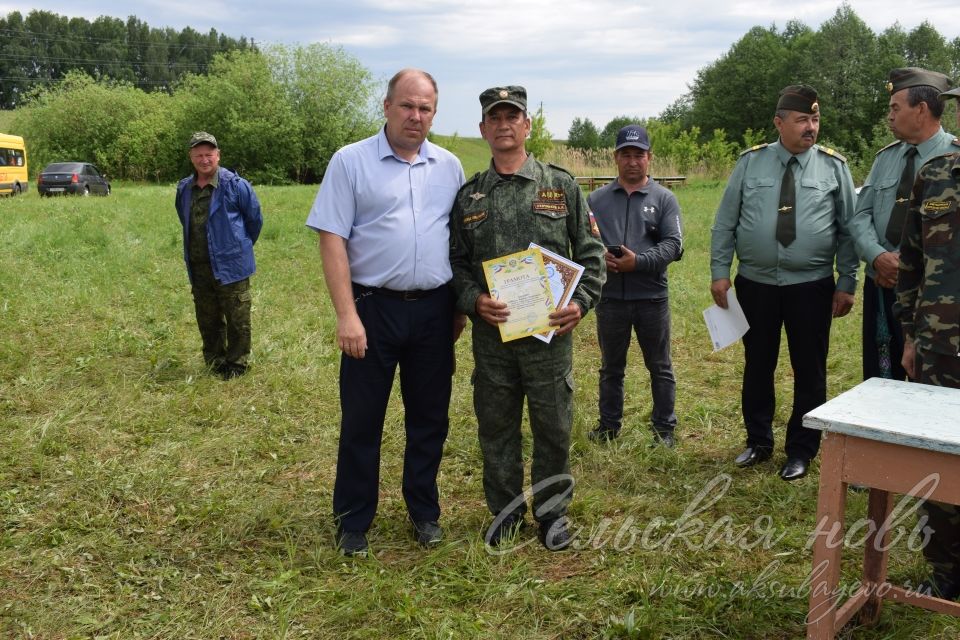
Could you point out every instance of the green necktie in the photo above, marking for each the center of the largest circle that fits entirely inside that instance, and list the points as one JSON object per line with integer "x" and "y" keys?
{"x": 787, "y": 213}
{"x": 899, "y": 212}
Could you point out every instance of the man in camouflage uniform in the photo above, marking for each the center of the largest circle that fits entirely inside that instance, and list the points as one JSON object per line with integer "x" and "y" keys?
{"x": 914, "y": 118}
{"x": 221, "y": 222}
{"x": 519, "y": 200}
{"x": 928, "y": 308}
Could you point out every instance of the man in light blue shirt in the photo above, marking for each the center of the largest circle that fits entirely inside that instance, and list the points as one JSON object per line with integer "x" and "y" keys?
{"x": 914, "y": 118}
{"x": 382, "y": 214}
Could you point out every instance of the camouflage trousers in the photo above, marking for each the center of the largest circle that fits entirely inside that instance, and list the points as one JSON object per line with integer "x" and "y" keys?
{"x": 223, "y": 317}
{"x": 943, "y": 549}
{"x": 505, "y": 374}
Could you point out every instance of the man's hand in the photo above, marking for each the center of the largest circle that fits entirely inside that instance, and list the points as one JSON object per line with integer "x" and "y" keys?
{"x": 492, "y": 311}
{"x": 351, "y": 336}
{"x": 909, "y": 359}
{"x": 459, "y": 324}
{"x": 624, "y": 264}
{"x": 886, "y": 265}
{"x": 566, "y": 319}
{"x": 718, "y": 289}
{"x": 842, "y": 303}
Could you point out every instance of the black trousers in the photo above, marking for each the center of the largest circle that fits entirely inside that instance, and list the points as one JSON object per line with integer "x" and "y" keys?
{"x": 805, "y": 311}
{"x": 417, "y": 337}
{"x": 874, "y": 298}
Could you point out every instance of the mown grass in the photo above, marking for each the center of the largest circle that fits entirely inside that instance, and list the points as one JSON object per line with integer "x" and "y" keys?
{"x": 142, "y": 498}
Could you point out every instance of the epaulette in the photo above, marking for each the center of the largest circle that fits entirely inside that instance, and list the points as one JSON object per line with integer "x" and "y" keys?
{"x": 831, "y": 152}
{"x": 472, "y": 179}
{"x": 889, "y": 146}
{"x": 955, "y": 142}
{"x": 559, "y": 168}
{"x": 755, "y": 147}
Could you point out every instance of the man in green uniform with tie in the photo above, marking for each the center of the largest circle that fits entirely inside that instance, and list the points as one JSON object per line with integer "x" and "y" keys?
{"x": 914, "y": 118}
{"x": 785, "y": 213}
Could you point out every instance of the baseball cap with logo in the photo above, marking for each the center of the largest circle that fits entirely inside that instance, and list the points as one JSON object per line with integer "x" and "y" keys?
{"x": 633, "y": 135}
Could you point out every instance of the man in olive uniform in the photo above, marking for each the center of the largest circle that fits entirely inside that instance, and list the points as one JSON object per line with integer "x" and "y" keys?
{"x": 221, "y": 222}
{"x": 928, "y": 308}
{"x": 520, "y": 200}
{"x": 914, "y": 118}
{"x": 785, "y": 213}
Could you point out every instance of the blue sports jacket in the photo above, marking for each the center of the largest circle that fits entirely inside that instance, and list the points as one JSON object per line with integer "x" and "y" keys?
{"x": 232, "y": 228}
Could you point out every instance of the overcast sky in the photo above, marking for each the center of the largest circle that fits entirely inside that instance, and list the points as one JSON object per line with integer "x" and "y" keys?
{"x": 581, "y": 58}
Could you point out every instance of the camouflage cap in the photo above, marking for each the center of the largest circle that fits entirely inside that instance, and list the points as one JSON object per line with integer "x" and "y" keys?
{"x": 202, "y": 137}
{"x": 799, "y": 97}
{"x": 512, "y": 94}
{"x": 953, "y": 93}
{"x": 916, "y": 77}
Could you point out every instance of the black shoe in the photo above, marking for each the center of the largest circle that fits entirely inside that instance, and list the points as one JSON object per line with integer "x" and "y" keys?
{"x": 352, "y": 543}
{"x": 794, "y": 469}
{"x": 751, "y": 456}
{"x": 603, "y": 434}
{"x": 940, "y": 586}
{"x": 664, "y": 439}
{"x": 231, "y": 371}
{"x": 427, "y": 532}
{"x": 504, "y": 530}
{"x": 554, "y": 534}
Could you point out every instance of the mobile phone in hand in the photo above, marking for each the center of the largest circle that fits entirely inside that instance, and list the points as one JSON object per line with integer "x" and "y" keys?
{"x": 616, "y": 250}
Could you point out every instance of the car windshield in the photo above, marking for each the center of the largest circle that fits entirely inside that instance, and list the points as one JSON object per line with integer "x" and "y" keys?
{"x": 63, "y": 167}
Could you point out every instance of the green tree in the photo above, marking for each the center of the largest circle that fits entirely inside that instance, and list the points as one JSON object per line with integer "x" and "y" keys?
{"x": 540, "y": 140}
{"x": 583, "y": 134}
{"x": 332, "y": 97}
{"x": 246, "y": 108}
{"x": 608, "y": 137}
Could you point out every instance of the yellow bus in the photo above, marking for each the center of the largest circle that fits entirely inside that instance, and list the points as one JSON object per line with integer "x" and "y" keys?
{"x": 13, "y": 165}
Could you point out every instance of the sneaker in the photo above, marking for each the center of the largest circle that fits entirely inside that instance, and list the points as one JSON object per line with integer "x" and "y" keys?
{"x": 603, "y": 434}
{"x": 427, "y": 532}
{"x": 506, "y": 529}
{"x": 664, "y": 439}
{"x": 554, "y": 534}
{"x": 352, "y": 543}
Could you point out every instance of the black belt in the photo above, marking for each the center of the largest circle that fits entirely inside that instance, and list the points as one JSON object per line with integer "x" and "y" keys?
{"x": 413, "y": 294}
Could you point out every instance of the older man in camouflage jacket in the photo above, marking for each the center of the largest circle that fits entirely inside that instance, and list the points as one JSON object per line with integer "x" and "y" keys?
{"x": 928, "y": 307}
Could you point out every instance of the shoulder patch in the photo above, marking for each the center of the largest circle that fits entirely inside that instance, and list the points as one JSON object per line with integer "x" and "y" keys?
{"x": 559, "y": 168}
{"x": 755, "y": 147}
{"x": 831, "y": 152}
{"x": 889, "y": 146}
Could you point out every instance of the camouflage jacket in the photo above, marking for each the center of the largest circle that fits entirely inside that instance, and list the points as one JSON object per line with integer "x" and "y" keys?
{"x": 493, "y": 217}
{"x": 928, "y": 284}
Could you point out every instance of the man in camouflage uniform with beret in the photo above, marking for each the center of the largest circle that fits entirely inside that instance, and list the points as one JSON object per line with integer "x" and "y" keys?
{"x": 914, "y": 118}
{"x": 500, "y": 211}
{"x": 928, "y": 308}
{"x": 785, "y": 213}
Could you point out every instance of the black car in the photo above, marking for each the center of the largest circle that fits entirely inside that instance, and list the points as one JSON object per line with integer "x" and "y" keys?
{"x": 72, "y": 177}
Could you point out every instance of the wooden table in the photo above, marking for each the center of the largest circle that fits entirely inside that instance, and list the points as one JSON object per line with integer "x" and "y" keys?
{"x": 889, "y": 436}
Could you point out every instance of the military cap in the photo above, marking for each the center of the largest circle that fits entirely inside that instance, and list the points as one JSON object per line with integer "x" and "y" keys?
{"x": 633, "y": 135}
{"x": 953, "y": 93}
{"x": 916, "y": 77}
{"x": 202, "y": 137}
{"x": 515, "y": 95}
{"x": 798, "y": 97}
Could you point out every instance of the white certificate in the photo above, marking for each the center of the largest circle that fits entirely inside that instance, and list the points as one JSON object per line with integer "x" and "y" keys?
{"x": 564, "y": 276}
{"x": 726, "y": 326}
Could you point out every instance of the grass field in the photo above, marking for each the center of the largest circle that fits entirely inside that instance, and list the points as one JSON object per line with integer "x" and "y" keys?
{"x": 142, "y": 498}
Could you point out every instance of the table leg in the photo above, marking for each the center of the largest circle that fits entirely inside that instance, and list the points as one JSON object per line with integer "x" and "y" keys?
{"x": 875, "y": 555}
{"x": 828, "y": 541}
